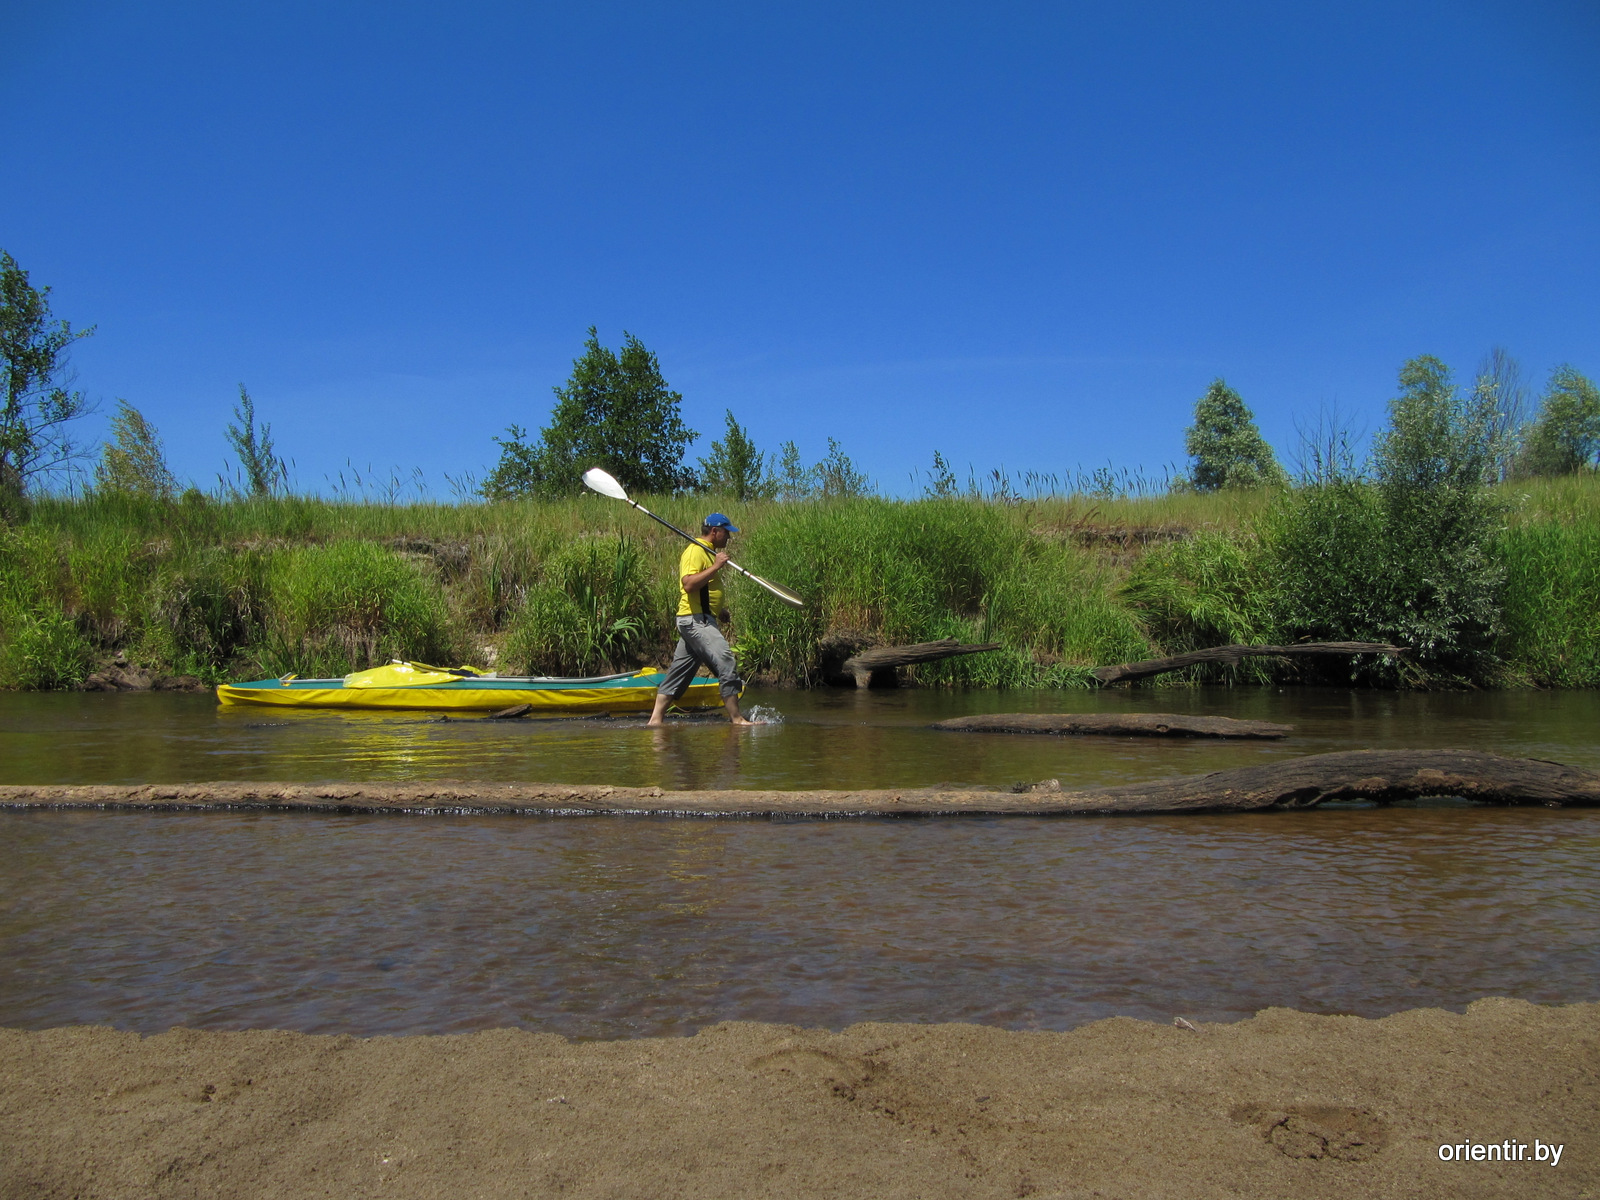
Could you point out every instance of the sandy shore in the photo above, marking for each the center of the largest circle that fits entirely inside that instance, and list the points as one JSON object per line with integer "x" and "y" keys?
{"x": 1282, "y": 1105}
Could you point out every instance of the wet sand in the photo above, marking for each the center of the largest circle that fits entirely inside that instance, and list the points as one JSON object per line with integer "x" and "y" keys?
{"x": 1283, "y": 1105}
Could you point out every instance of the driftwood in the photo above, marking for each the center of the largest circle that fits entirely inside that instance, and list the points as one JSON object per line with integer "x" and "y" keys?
{"x": 1230, "y": 656}
{"x": 883, "y": 658}
{"x": 1116, "y": 725}
{"x": 1377, "y": 775}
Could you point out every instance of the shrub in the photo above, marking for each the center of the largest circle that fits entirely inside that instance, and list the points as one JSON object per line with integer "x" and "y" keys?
{"x": 41, "y": 648}
{"x": 209, "y": 606}
{"x": 349, "y": 605}
{"x": 1407, "y": 557}
{"x": 1208, "y": 590}
{"x": 880, "y": 570}
{"x": 595, "y": 611}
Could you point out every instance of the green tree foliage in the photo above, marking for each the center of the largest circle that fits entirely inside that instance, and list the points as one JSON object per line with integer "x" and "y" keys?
{"x": 837, "y": 476}
{"x": 1406, "y": 557}
{"x": 1566, "y": 435}
{"x": 264, "y": 473}
{"x": 796, "y": 481}
{"x": 132, "y": 463}
{"x": 736, "y": 468}
{"x": 1227, "y": 448}
{"x": 35, "y": 407}
{"x": 616, "y": 412}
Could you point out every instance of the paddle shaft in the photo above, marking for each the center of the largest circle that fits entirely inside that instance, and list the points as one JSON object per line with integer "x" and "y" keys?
{"x": 690, "y": 537}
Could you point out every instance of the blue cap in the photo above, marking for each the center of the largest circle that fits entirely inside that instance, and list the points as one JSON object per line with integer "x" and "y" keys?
{"x": 717, "y": 519}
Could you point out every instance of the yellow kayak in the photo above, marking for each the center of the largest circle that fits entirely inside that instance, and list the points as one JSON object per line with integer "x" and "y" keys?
{"x": 463, "y": 689}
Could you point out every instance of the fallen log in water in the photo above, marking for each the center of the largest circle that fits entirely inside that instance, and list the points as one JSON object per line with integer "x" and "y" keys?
{"x": 1230, "y": 656}
{"x": 883, "y": 658}
{"x": 1378, "y": 775}
{"x": 1115, "y": 725}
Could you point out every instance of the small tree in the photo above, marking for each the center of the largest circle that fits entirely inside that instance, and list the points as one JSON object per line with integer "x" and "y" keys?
{"x": 1566, "y": 435}
{"x": 736, "y": 468}
{"x": 1406, "y": 557}
{"x": 520, "y": 470}
{"x": 35, "y": 406}
{"x": 616, "y": 412}
{"x": 941, "y": 479}
{"x": 132, "y": 463}
{"x": 264, "y": 472}
{"x": 1227, "y": 448}
{"x": 1501, "y": 390}
{"x": 796, "y": 481}
{"x": 837, "y": 475}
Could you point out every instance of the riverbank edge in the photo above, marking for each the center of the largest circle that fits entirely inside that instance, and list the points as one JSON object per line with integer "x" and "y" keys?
{"x": 1380, "y": 776}
{"x": 1283, "y": 1104}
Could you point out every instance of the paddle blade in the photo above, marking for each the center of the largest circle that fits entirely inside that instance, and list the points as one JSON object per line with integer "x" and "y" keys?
{"x": 597, "y": 480}
{"x": 782, "y": 593}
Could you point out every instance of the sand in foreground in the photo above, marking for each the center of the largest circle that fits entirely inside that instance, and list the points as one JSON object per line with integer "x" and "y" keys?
{"x": 1282, "y": 1105}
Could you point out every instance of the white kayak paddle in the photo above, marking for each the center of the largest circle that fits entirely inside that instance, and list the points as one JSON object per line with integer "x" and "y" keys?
{"x": 597, "y": 480}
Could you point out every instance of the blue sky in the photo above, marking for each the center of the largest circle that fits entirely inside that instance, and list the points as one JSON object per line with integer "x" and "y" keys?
{"x": 1021, "y": 234}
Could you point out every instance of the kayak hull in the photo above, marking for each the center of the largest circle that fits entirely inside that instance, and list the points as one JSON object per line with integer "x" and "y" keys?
{"x": 551, "y": 697}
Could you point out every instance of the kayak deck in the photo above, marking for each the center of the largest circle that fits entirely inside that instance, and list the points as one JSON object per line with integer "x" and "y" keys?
{"x": 627, "y": 692}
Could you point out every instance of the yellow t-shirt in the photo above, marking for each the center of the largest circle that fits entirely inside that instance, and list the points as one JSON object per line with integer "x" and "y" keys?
{"x": 694, "y": 559}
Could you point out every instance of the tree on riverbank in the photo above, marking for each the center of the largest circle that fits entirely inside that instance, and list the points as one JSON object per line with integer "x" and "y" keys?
{"x": 1227, "y": 448}
{"x": 1566, "y": 434}
{"x": 36, "y": 407}
{"x": 132, "y": 463}
{"x": 616, "y": 412}
{"x": 736, "y": 468}
{"x": 264, "y": 473}
{"x": 1406, "y": 557}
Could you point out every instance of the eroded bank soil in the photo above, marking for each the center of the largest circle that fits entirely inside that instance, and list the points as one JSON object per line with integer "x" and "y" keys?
{"x": 1284, "y": 1105}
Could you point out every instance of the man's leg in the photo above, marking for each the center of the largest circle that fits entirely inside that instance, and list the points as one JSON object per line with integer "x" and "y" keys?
{"x": 660, "y": 711}
{"x": 731, "y": 703}
{"x": 711, "y": 648}
{"x": 680, "y": 674}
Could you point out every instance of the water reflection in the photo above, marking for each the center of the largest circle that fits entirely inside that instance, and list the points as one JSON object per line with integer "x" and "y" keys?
{"x": 839, "y": 739}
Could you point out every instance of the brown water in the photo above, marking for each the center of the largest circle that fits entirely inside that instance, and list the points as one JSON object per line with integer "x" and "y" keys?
{"x": 607, "y": 927}
{"x": 823, "y": 739}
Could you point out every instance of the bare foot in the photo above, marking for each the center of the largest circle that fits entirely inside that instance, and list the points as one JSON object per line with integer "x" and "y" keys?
{"x": 743, "y": 721}
{"x": 654, "y": 723}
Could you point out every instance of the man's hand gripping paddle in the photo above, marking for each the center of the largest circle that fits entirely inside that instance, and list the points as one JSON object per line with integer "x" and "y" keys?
{"x": 597, "y": 480}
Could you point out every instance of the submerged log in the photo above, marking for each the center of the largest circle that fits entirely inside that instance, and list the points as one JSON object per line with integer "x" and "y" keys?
{"x": 883, "y": 658}
{"x": 1377, "y": 775}
{"x": 1116, "y": 725}
{"x": 1230, "y": 656}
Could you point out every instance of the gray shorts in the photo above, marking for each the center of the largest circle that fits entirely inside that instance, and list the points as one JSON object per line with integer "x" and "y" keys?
{"x": 700, "y": 642}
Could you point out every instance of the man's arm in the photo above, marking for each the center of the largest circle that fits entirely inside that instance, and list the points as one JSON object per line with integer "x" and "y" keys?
{"x": 701, "y": 578}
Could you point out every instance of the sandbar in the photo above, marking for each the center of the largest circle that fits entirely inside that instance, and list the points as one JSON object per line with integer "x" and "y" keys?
{"x": 1285, "y": 1105}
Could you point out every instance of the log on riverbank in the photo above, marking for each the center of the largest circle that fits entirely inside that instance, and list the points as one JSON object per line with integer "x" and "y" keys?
{"x": 1116, "y": 725}
{"x": 1376, "y": 775}
{"x": 1231, "y": 656}
{"x": 882, "y": 659}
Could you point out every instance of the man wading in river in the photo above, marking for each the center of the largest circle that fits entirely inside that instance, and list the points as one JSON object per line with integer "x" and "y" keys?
{"x": 700, "y": 604}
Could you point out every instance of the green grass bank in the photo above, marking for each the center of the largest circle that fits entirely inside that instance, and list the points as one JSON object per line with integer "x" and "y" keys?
{"x": 255, "y": 588}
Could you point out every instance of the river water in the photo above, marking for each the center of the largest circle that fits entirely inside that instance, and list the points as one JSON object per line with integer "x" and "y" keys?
{"x": 614, "y": 927}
